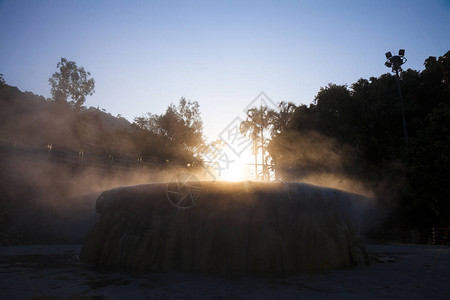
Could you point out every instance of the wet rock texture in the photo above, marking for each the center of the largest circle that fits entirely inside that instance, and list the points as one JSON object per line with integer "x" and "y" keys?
{"x": 239, "y": 227}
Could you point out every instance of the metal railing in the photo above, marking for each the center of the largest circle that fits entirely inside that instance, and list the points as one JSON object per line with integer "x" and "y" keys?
{"x": 428, "y": 235}
{"x": 50, "y": 153}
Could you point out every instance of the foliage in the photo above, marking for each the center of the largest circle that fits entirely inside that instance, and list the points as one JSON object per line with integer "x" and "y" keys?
{"x": 2, "y": 82}
{"x": 71, "y": 82}
{"x": 257, "y": 122}
{"x": 429, "y": 155}
{"x": 280, "y": 119}
{"x": 179, "y": 130}
{"x": 367, "y": 117}
{"x": 174, "y": 136}
{"x": 354, "y": 131}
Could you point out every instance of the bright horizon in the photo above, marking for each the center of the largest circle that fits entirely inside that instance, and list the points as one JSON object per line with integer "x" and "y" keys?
{"x": 146, "y": 55}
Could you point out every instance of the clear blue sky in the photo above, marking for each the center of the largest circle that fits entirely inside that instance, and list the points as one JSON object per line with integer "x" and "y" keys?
{"x": 146, "y": 54}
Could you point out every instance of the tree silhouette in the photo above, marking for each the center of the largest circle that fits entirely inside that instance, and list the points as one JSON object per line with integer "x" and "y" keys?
{"x": 71, "y": 82}
{"x": 361, "y": 127}
{"x": 280, "y": 119}
{"x": 180, "y": 127}
{"x": 258, "y": 120}
{"x": 2, "y": 82}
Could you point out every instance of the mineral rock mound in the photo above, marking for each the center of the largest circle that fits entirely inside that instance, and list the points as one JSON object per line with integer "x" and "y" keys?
{"x": 234, "y": 227}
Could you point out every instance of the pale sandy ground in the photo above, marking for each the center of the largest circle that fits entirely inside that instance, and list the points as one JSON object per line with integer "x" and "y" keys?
{"x": 54, "y": 272}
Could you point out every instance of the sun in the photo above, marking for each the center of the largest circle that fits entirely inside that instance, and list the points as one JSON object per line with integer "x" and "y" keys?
{"x": 236, "y": 171}
{"x": 228, "y": 166}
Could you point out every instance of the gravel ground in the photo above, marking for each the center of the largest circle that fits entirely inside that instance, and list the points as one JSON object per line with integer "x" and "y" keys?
{"x": 397, "y": 271}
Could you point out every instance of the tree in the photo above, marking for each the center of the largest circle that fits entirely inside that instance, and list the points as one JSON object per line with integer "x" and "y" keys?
{"x": 357, "y": 132}
{"x": 428, "y": 161}
{"x": 2, "y": 82}
{"x": 281, "y": 118}
{"x": 336, "y": 109}
{"x": 71, "y": 82}
{"x": 180, "y": 127}
{"x": 258, "y": 120}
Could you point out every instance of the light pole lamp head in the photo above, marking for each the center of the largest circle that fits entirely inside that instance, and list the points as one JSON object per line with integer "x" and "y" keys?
{"x": 395, "y": 62}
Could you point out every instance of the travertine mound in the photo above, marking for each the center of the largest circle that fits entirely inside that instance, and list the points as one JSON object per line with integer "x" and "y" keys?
{"x": 234, "y": 227}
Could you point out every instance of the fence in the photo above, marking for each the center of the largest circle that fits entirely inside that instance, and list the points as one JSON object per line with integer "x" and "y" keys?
{"x": 430, "y": 236}
{"x": 82, "y": 159}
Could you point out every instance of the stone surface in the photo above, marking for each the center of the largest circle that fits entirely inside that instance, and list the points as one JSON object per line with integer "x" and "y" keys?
{"x": 234, "y": 227}
{"x": 397, "y": 271}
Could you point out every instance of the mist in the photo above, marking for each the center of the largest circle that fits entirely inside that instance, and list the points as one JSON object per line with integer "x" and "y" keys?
{"x": 56, "y": 162}
{"x": 314, "y": 158}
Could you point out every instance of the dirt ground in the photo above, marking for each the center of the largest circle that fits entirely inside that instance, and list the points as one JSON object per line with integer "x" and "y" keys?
{"x": 397, "y": 271}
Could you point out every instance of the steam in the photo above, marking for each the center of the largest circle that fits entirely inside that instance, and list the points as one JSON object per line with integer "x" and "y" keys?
{"x": 45, "y": 201}
{"x": 316, "y": 159}
{"x": 40, "y": 193}
{"x": 310, "y": 157}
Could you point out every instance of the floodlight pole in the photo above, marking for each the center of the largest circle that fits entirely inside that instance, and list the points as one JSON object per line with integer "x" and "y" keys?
{"x": 405, "y": 129}
{"x": 396, "y": 62}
